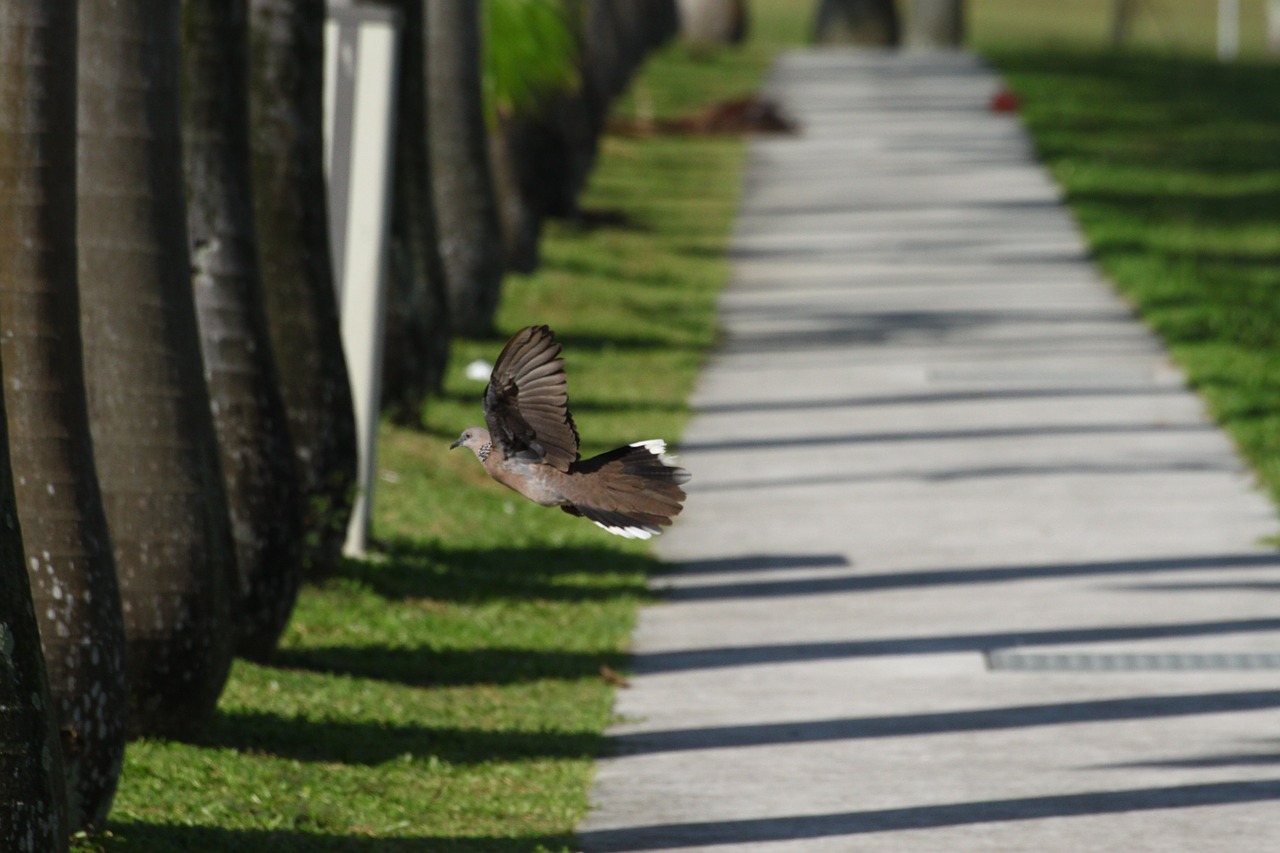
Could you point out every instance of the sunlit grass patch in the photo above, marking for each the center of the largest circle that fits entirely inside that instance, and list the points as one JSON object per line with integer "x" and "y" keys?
{"x": 1172, "y": 167}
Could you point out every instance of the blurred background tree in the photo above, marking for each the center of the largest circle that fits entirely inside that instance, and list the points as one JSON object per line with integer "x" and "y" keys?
{"x": 531, "y": 57}
{"x": 934, "y": 24}
{"x": 469, "y": 232}
{"x": 865, "y": 23}
{"x": 418, "y": 330}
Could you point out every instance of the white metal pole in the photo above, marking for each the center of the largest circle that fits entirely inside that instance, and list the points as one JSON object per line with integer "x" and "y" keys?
{"x": 1273, "y": 27}
{"x": 1228, "y": 29}
{"x": 361, "y": 47}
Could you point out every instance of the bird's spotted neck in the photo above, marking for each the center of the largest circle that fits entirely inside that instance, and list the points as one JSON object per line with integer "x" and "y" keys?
{"x": 484, "y": 451}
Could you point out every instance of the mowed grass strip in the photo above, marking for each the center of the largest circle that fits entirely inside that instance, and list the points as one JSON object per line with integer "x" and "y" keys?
{"x": 448, "y": 695}
{"x": 1172, "y": 167}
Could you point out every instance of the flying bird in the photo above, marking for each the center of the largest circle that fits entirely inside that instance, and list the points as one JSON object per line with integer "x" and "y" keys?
{"x": 531, "y": 445}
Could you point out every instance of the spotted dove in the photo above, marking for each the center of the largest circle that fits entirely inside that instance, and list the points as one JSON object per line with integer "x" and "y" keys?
{"x": 531, "y": 446}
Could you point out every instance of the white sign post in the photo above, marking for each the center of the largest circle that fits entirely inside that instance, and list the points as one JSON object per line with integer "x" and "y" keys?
{"x": 361, "y": 62}
{"x": 1273, "y": 27}
{"x": 1228, "y": 29}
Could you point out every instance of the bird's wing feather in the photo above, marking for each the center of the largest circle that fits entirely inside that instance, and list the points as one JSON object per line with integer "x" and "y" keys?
{"x": 526, "y": 404}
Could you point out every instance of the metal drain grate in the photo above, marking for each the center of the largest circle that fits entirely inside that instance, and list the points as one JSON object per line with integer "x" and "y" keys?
{"x": 1018, "y": 661}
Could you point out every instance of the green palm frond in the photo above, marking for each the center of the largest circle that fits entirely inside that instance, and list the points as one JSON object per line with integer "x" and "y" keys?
{"x": 530, "y": 52}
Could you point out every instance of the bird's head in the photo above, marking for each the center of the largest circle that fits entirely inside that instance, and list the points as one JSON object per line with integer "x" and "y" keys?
{"x": 476, "y": 439}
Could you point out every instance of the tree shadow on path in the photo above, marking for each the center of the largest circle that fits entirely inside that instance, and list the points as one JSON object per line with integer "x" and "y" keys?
{"x": 799, "y": 827}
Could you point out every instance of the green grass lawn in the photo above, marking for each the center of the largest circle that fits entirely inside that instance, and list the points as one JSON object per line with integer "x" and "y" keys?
{"x": 448, "y": 695}
{"x": 1172, "y": 167}
{"x": 1171, "y": 27}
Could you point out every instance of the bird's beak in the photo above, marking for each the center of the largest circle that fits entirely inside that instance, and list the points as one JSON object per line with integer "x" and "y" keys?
{"x": 457, "y": 443}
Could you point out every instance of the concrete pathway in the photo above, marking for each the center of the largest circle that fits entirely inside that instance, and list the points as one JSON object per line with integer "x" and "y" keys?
{"x": 964, "y": 566}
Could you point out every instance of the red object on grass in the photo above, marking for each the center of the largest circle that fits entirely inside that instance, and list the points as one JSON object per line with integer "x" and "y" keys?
{"x": 1004, "y": 101}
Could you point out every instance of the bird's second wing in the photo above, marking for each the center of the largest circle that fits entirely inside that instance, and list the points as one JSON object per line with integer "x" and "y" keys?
{"x": 526, "y": 404}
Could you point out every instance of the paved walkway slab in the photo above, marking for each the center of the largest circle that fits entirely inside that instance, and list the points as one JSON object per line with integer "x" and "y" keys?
{"x": 964, "y": 566}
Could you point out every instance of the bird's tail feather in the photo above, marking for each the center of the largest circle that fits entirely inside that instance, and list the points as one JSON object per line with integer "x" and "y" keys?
{"x": 632, "y": 491}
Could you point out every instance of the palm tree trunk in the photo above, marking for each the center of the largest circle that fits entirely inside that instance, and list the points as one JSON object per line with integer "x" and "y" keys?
{"x": 37, "y": 138}
{"x": 934, "y": 24}
{"x": 466, "y": 207}
{"x": 258, "y": 471}
{"x": 417, "y": 332}
{"x": 867, "y": 23}
{"x": 71, "y": 571}
{"x": 33, "y": 803}
{"x": 286, "y": 72}
{"x": 153, "y": 435}
{"x": 514, "y": 169}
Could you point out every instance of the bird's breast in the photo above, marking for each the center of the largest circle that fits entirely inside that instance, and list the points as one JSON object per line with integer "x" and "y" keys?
{"x": 537, "y": 481}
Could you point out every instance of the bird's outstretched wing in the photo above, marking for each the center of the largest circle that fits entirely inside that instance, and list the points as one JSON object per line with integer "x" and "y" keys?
{"x": 526, "y": 404}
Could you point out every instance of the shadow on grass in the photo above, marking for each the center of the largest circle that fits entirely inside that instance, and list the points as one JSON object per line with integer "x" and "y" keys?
{"x": 607, "y": 219}
{"x": 1226, "y": 206}
{"x": 426, "y": 667}
{"x": 415, "y": 571}
{"x": 1204, "y": 296}
{"x": 369, "y": 743}
{"x": 1197, "y": 113}
{"x": 1173, "y": 167}
{"x": 165, "y": 838}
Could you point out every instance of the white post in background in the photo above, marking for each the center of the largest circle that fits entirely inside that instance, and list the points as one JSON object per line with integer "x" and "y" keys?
{"x": 1228, "y": 29}
{"x": 361, "y": 61}
{"x": 1273, "y": 27}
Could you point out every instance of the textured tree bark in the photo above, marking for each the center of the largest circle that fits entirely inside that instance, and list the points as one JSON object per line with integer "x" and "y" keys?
{"x": 33, "y": 805}
{"x": 869, "y": 23}
{"x": 149, "y": 415}
{"x": 417, "y": 331}
{"x": 465, "y": 203}
{"x": 286, "y": 72}
{"x": 258, "y": 471}
{"x": 70, "y": 567}
{"x": 519, "y": 213}
{"x": 37, "y": 137}
{"x": 935, "y": 24}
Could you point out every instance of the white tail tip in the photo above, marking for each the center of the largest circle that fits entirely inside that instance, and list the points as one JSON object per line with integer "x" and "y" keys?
{"x": 626, "y": 532}
{"x": 658, "y": 448}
